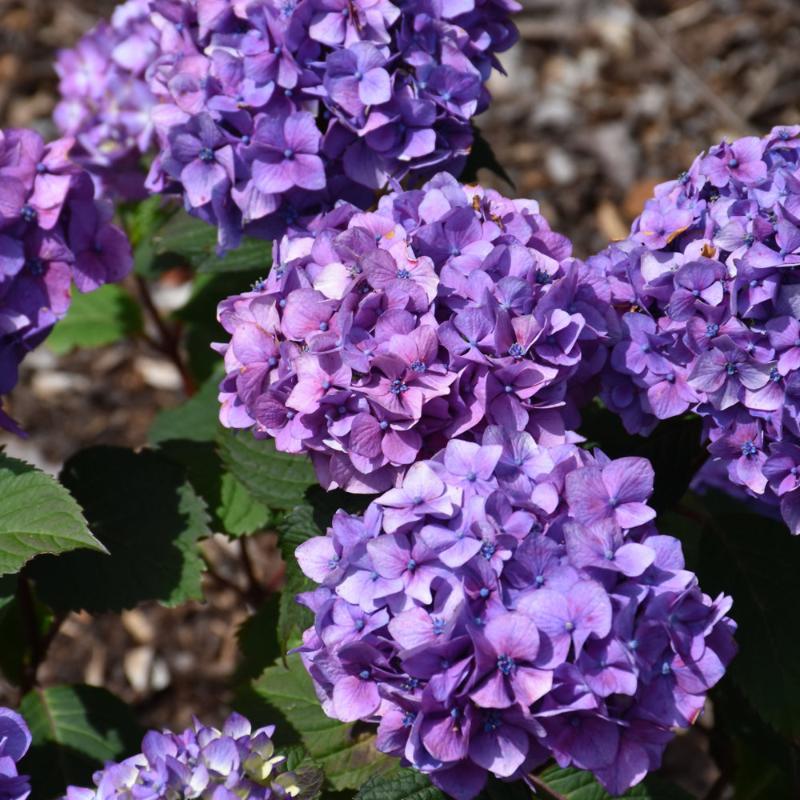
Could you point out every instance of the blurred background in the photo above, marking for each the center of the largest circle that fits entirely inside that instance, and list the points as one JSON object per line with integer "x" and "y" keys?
{"x": 602, "y": 100}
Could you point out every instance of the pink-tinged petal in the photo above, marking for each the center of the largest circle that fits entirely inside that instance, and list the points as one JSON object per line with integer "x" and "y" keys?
{"x": 412, "y": 628}
{"x": 317, "y": 558}
{"x": 629, "y": 479}
{"x": 355, "y": 699}
{"x": 531, "y": 684}
{"x": 444, "y": 740}
{"x": 390, "y": 555}
{"x": 375, "y": 87}
{"x": 309, "y": 172}
{"x": 513, "y": 635}
{"x": 365, "y": 435}
{"x": 401, "y": 447}
{"x": 633, "y": 559}
{"x": 273, "y": 178}
{"x": 631, "y": 515}
{"x": 590, "y": 609}
{"x": 493, "y": 692}
{"x": 200, "y": 180}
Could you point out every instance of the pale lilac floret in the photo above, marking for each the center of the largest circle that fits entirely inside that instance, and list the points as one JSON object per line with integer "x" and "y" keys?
{"x": 236, "y": 760}
{"x": 486, "y": 632}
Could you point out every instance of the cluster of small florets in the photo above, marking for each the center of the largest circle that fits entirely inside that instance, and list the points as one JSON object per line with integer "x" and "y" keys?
{"x": 15, "y": 739}
{"x": 201, "y": 762}
{"x": 271, "y": 111}
{"x": 52, "y": 233}
{"x": 509, "y": 603}
{"x": 379, "y": 336}
{"x": 105, "y": 100}
{"x": 708, "y": 290}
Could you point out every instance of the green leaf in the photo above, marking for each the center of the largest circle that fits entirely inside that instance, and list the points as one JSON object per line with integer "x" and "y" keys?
{"x": 37, "y": 515}
{"x": 258, "y": 641}
{"x": 756, "y": 561}
{"x": 75, "y": 730}
{"x": 346, "y": 754}
{"x": 241, "y": 514}
{"x": 97, "y": 318}
{"x": 141, "y": 221}
{"x": 402, "y": 784}
{"x": 575, "y": 784}
{"x": 196, "y": 420}
{"x": 144, "y": 510}
{"x": 196, "y": 242}
{"x": 279, "y": 480}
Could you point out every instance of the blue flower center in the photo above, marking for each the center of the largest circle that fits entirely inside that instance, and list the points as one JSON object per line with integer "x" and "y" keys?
{"x": 487, "y": 550}
{"x": 398, "y": 387}
{"x": 36, "y": 266}
{"x": 384, "y": 424}
{"x": 364, "y": 674}
{"x": 731, "y": 368}
{"x": 505, "y": 664}
{"x": 516, "y": 351}
{"x": 539, "y": 580}
{"x": 749, "y": 449}
{"x": 418, "y": 366}
{"x": 438, "y": 626}
{"x": 484, "y": 592}
{"x": 323, "y": 326}
{"x": 569, "y": 627}
{"x": 28, "y": 213}
{"x": 733, "y": 163}
{"x": 493, "y": 722}
{"x": 288, "y": 154}
{"x": 403, "y": 274}
{"x": 360, "y": 624}
{"x": 411, "y": 565}
{"x": 408, "y": 719}
{"x": 670, "y": 377}
{"x": 712, "y": 329}
{"x": 543, "y": 278}
{"x": 206, "y": 155}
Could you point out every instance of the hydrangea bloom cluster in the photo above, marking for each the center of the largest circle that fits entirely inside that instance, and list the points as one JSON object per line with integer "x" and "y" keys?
{"x": 379, "y": 336}
{"x": 105, "y": 99}
{"x": 52, "y": 233}
{"x": 708, "y": 290}
{"x": 200, "y": 762}
{"x": 15, "y": 739}
{"x": 271, "y": 111}
{"x": 507, "y": 603}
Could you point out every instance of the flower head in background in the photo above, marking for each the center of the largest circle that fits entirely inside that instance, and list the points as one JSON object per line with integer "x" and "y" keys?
{"x": 707, "y": 289}
{"x": 269, "y": 112}
{"x": 15, "y": 739}
{"x": 105, "y": 100}
{"x": 52, "y": 233}
{"x": 379, "y": 336}
{"x": 236, "y": 761}
{"x": 508, "y": 603}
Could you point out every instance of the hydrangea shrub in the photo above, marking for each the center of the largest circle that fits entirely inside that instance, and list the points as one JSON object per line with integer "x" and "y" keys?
{"x": 475, "y": 592}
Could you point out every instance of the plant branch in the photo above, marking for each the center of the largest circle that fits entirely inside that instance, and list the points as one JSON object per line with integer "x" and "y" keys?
{"x": 540, "y": 786}
{"x": 170, "y": 342}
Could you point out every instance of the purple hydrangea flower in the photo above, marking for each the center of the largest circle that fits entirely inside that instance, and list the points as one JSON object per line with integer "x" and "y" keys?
{"x": 52, "y": 233}
{"x": 318, "y": 100}
{"x": 236, "y": 761}
{"x": 379, "y": 336}
{"x": 15, "y": 739}
{"x": 105, "y": 100}
{"x": 566, "y": 626}
{"x": 708, "y": 295}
